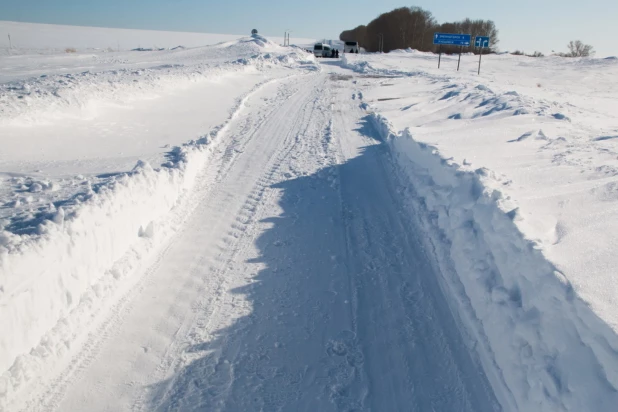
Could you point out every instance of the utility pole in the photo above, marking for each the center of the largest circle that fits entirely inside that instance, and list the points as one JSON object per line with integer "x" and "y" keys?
{"x": 380, "y": 42}
{"x": 10, "y": 43}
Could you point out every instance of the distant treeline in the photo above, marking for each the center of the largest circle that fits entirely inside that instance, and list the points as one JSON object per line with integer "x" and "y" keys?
{"x": 414, "y": 27}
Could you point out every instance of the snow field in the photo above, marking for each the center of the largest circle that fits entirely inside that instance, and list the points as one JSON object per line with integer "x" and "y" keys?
{"x": 517, "y": 197}
{"x": 51, "y": 98}
{"x": 552, "y": 152}
{"x": 75, "y": 259}
{"x": 46, "y": 37}
{"x": 543, "y": 340}
{"x": 480, "y": 230}
{"x": 67, "y": 137}
{"x": 82, "y": 255}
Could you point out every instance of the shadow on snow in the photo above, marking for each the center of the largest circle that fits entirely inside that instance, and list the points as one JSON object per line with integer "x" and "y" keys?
{"x": 346, "y": 311}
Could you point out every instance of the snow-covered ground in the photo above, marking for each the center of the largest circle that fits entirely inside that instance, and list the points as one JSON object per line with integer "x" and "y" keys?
{"x": 518, "y": 170}
{"x": 95, "y": 160}
{"x": 239, "y": 227}
{"x": 48, "y": 38}
{"x": 546, "y": 131}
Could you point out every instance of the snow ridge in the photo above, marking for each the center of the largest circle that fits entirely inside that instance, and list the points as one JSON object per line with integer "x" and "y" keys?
{"x": 534, "y": 334}
{"x": 83, "y": 254}
{"x": 47, "y": 98}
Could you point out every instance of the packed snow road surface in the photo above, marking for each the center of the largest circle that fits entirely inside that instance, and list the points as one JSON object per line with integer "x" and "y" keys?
{"x": 237, "y": 227}
{"x": 299, "y": 283}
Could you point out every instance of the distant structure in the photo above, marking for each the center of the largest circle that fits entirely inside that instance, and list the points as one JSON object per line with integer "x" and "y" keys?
{"x": 254, "y": 31}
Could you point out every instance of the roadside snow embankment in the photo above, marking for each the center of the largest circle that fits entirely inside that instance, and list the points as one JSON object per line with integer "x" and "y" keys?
{"x": 48, "y": 98}
{"x": 54, "y": 282}
{"x": 543, "y": 346}
{"x": 85, "y": 249}
{"x": 360, "y": 65}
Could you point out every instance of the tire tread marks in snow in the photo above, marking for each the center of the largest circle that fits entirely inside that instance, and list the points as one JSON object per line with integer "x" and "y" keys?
{"x": 298, "y": 283}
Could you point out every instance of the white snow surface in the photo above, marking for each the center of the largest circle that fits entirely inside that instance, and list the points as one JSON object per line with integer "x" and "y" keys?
{"x": 71, "y": 232}
{"x": 237, "y": 227}
{"x": 46, "y": 38}
{"x": 517, "y": 169}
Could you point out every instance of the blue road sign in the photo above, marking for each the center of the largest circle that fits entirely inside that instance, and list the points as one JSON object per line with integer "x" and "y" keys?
{"x": 481, "y": 41}
{"x": 452, "y": 39}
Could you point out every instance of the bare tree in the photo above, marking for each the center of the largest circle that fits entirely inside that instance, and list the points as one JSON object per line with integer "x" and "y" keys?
{"x": 422, "y": 23}
{"x": 579, "y": 49}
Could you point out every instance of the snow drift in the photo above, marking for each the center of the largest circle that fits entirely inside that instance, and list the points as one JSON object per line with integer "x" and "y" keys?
{"x": 84, "y": 250}
{"x": 544, "y": 347}
{"x": 49, "y": 97}
{"x": 80, "y": 256}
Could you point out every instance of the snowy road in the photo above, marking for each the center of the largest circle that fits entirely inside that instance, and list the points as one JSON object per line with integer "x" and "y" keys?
{"x": 299, "y": 282}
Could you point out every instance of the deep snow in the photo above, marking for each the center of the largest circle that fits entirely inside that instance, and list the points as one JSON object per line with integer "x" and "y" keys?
{"x": 237, "y": 227}
{"x": 101, "y": 191}
{"x": 517, "y": 183}
{"x": 544, "y": 130}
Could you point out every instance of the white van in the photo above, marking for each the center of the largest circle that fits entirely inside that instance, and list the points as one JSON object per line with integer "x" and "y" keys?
{"x": 322, "y": 50}
{"x": 351, "y": 47}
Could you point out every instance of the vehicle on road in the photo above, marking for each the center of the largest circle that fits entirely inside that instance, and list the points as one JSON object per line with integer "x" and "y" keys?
{"x": 351, "y": 47}
{"x": 322, "y": 50}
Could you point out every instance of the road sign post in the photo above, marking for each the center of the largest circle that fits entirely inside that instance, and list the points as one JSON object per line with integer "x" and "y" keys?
{"x": 459, "y": 61}
{"x": 480, "y": 56}
{"x": 452, "y": 40}
{"x": 481, "y": 42}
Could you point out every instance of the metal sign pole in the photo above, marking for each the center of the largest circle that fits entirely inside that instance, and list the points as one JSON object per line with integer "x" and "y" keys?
{"x": 480, "y": 55}
{"x": 459, "y": 61}
{"x": 481, "y": 42}
{"x": 460, "y": 40}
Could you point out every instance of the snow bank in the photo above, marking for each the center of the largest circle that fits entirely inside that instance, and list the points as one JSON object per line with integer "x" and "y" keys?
{"x": 295, "y": 58}
{"x": 48, "y": 98}
{"x": 54, "y": 283}
{"x": 52, "y": 97}
{"x": 361, "y": 65}
{"x": 543, "y": 346}
{"x": 355, "y": 64}
{"x": 84, "y": 251}
{"x": 45, "y": 277}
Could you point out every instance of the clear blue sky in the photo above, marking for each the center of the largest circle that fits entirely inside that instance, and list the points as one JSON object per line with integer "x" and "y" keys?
{"x": 529, "y": 25}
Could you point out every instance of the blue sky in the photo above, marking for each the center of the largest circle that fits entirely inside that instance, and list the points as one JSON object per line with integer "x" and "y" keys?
{"x": 528, "y": 25}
